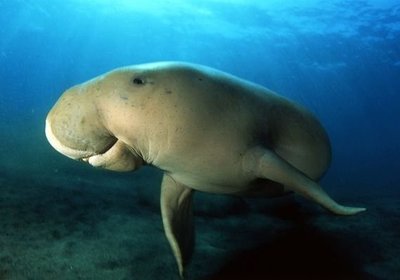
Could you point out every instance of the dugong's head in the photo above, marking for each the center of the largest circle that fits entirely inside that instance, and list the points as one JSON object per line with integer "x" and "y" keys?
{"x": 79, "y": 125}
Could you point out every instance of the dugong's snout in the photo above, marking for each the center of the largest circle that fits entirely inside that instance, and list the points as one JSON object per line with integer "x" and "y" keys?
{"x": 75, "y": 129}
{"x": 62, "y": 148}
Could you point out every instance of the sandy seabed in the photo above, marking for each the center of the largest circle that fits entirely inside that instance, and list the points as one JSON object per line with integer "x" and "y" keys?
{"x": 105, "y": 226}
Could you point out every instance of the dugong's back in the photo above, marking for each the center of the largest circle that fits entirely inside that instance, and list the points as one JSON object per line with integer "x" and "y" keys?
{"x": 217, "y": 117}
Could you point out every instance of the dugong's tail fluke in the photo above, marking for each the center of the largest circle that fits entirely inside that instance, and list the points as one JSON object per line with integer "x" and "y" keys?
{"x": 270, "y": 166}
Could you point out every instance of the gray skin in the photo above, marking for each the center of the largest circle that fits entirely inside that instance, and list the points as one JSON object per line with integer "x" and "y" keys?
{"x": 207, "y": 130}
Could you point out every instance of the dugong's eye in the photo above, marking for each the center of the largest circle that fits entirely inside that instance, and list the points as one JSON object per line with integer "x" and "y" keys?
{"x": 138, "y": 81}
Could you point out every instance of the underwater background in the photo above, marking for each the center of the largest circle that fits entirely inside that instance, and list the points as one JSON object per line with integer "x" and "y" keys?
{"x": 61, "y": 219}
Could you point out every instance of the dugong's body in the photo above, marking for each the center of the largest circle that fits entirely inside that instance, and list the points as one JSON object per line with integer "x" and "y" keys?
{"x": 207, "y": 130}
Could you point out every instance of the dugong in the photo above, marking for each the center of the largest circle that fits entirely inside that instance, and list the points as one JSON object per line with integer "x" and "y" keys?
{"x": 205, "y": 129}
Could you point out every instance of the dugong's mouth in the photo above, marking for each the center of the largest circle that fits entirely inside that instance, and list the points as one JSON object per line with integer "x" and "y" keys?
{"x": 113, "y": 155}
{"x": 75, "y": 154}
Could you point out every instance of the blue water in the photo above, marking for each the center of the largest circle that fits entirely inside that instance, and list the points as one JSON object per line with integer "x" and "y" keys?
{"x": 341, "y": 59}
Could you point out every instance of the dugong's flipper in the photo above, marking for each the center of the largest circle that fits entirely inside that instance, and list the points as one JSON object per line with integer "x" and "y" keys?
{"x": 269, "y": 165}
{"x": 177, "y": 216}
